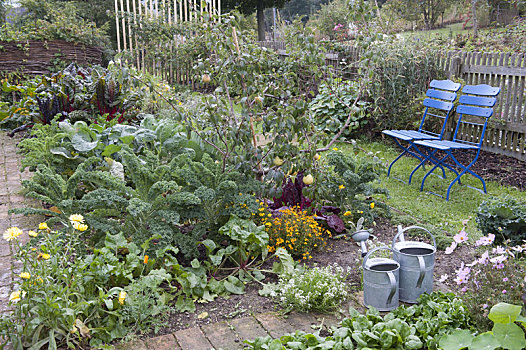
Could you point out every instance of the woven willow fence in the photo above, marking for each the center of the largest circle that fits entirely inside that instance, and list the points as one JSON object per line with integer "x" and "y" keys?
{"x": 133, "y": 16}
{"x": 35, "y": 57}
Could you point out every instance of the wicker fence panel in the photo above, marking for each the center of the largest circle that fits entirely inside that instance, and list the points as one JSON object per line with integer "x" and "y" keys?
{"x": 35, "y": 57}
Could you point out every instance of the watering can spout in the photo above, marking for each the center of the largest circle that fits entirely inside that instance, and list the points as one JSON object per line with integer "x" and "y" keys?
{"x": 361, "y": 236}
{"x": 364, "y": 248}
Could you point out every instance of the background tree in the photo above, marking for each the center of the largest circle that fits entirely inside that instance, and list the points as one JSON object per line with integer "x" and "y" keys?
{"x": 427, "y": 10}
{"x": 100, "y": 12}
{"x": 249, "y": 6}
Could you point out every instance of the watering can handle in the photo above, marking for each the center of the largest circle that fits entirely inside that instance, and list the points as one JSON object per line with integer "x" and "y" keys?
{"x": 401, "y": 233}
{"x": 394, "y": 286}
{"x": 374, "y": 250}
{"x": 422, "y": 266}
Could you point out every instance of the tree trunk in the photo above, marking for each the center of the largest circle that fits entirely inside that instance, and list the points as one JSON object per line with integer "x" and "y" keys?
{"x": 474, "y": 15}
{"x": 261, "y": 20}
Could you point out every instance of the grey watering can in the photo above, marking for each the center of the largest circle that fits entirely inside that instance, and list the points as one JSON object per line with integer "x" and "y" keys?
{"x": 417, "y": 262}
{"x": 380, "y": 281}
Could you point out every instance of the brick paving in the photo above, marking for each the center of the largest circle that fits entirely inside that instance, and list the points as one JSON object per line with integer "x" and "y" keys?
{"x": 229, "y": 335}
{"x": 11, "y": 197}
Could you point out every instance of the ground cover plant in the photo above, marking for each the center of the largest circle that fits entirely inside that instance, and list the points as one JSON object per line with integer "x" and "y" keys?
{"x": 413, "y": 327}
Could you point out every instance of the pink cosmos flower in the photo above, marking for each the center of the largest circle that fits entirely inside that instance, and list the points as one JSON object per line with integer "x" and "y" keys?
{"x": 484, "y": 258}
{"x": 504, "y": 291}
{"x": 451, "y": 248}
{"x": 460, "y": 237}
{"x": 505, "y": 279}
{"x": 485, "y": 240}
{"x": 460, "y": 280}
{"x": 499, "y": 259}
{"x": 499, "y": 250}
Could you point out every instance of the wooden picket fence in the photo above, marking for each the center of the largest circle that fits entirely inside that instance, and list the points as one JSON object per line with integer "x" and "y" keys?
{"x": 131, "y": 16}
{"x": 507, "y": 128}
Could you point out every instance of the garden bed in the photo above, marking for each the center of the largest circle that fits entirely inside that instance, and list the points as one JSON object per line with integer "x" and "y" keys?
{"x": 343, "y": 252}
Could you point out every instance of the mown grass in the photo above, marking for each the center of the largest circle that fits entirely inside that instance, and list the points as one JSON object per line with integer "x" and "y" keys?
{"x": 410, "y": 206}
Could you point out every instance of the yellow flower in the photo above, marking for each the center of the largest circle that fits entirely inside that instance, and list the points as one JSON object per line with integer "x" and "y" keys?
{"x": 44, "y": 256}
{"x": 341, "y": 187}
{"x": 347, "y": 213}
{"x": 25, "y": 275}
{"x": 32, "y": 233}
{"x": 372, "y": 205}
{"x": 122, "y": 297}
{"x": 76, "y": 218}
{"x": 80, "y": 227}
{"x": 146, "y": 259}
{"x": 16, "y": 296}
{"x": 12, "y": 233}
{"x": 335, "y": 149}
{"x": 43, "y": 226}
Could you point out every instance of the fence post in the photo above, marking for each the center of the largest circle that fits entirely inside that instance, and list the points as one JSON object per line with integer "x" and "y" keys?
{"x": 454, "y": 70}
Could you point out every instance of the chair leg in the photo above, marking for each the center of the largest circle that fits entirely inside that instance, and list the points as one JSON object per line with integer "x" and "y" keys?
{"x": 394, "y": 161}
{"x": 426, "y": 158}
{"x": 405, "y": 150}
{"x": 440, "y": 161}
{"x": 465, "y": 170}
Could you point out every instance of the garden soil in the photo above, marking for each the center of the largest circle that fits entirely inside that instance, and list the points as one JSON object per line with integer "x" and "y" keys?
{"x": 344, "y": 252}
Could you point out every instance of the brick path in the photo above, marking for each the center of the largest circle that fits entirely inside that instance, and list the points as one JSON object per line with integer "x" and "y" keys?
{"x": 229, "y": 335}
{"x": 10, "y": 197}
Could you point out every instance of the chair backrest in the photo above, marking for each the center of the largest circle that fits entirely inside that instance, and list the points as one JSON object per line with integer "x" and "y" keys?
{"x": 474, "y": 111}
{"x": 438, "y": 104}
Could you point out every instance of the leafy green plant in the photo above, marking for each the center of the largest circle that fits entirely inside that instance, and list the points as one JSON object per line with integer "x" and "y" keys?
{"x": 305, "y": 289}
{"x": 83, "y": 93}
{"x": 331, "y": 107}
{"x": 74, "y": 298}
{"x": 415, "y": 327}
{"x": 347, "y": 182}
{"x": 503, "y": 216}
{"x": 505, "y": 334}
{"x": 435, "y": 315}
{"x": 369, "y": 331}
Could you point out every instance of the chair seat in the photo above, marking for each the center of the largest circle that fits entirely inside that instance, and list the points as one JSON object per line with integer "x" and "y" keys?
{"x": 409, "y": 135}
{"x": 445, "y": 144}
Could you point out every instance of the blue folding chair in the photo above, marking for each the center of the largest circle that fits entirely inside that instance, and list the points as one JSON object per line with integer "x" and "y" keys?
{"x": 475, "y": 105}
{"x": 438, "y": 104}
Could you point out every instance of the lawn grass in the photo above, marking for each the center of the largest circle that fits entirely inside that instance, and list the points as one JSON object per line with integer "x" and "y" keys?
{"x": 410, "y": 206}
{"x": 447, "y": 32}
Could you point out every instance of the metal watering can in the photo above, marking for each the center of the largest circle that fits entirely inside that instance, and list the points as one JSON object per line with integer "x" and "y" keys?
{"x": 380, "y": 281}
{"x": 417, "y": 262}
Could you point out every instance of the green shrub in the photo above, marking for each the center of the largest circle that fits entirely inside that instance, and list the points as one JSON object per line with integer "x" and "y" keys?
{"x": 330, "y": 107}
{"x": 402, "y": 73}
{"x": 503, "y": 216}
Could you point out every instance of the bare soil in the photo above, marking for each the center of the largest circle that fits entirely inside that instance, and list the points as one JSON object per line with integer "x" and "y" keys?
{"x": 491, "y": 166}
{"x": 343, "y": 252}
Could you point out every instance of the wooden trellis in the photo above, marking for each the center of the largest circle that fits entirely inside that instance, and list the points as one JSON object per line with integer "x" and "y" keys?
{"x": 130, "y": 16}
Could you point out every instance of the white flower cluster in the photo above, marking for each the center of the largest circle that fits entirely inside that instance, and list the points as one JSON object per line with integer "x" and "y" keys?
{"x": 316, "y": 289}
